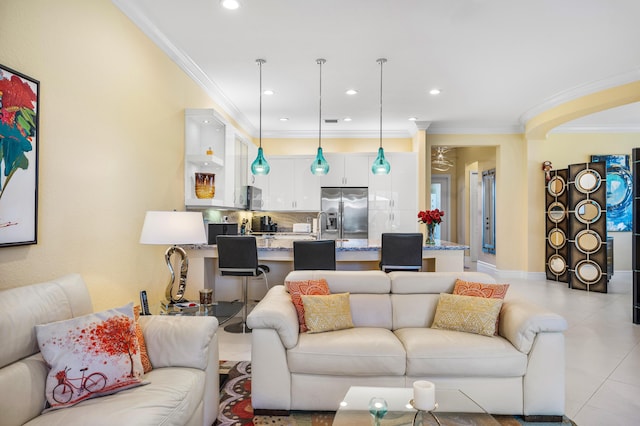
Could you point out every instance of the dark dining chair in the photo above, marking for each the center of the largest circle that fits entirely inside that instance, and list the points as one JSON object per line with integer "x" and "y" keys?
{"x": 401, "y": 252}
{"x": 238, "y": 257}
{"x": 311, "y": 255}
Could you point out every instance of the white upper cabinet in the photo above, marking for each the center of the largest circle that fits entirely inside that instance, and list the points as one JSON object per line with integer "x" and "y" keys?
{"x": 292, "y": 186}
{"x": 346, "y": 170}
{"x": 205, "y": 151}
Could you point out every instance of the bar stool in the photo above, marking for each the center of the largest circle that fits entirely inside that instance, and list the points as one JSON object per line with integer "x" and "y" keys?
{"x": 401, "y": 252}
{"x": 238, "y": 257}
{"x": 314, "y": 255}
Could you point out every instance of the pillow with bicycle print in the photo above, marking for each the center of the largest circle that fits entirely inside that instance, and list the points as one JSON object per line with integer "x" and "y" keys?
{"x": 89, "y": 356}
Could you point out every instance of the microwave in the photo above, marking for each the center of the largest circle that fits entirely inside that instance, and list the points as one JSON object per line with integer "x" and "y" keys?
{"x": 254, "y": 198}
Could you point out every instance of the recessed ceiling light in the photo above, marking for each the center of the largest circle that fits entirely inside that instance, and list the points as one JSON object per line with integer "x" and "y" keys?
{"x": 268, "y": 92}
{"x": 351, "y": 92}
{"x": 413, "y": 118}
{"x": 284, "y": 119}
{"x": 230, "y": 4}
{"x": 347, "y": 119}
{"x": 434, "y": 91}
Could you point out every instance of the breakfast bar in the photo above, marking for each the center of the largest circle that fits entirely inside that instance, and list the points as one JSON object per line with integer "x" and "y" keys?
{"x": 277, "y": 253}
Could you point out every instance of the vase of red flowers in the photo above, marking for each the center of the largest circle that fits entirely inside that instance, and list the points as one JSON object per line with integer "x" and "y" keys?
{"x": 431, "y": 218}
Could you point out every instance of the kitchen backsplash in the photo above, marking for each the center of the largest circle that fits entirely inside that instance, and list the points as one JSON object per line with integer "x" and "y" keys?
{"x": 285, "y": 220}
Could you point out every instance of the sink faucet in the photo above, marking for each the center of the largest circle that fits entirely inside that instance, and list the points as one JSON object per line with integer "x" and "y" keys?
{"x": 319, "y": 220}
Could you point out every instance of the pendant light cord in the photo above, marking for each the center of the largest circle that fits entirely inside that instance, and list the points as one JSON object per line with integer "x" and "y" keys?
{"x": 320, "y": 62}
{"x": 260, "y": 62}
{"x": 381, "y": 61}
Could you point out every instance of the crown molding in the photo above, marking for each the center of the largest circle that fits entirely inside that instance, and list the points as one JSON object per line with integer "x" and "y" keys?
{"x": 185, "y": 63}
{"x": 445, "y": 129}
{"x": 581, "y": 90}
{"x": 630, "y": 128}
{"x": 336, "y": 134}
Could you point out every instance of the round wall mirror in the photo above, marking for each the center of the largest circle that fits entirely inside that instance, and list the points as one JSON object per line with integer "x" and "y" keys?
{"x": 587, "y": 211}
{"x": 588, "y": 241}
{"x": 557, "y": 239}
{"x": 556, "y": 212}
{"x": 556, "y": 186}
{"x": 588, "y": 272}
{"x": 587, "y": 181}
{"x": 557, "y": 265}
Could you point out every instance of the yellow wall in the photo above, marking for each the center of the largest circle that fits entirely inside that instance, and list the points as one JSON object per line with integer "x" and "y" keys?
{"x": 111, "y": 144}
{"x": 563, "y": 149}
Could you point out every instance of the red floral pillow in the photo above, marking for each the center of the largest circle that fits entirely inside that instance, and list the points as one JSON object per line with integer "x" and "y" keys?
{"x": 308, "y": 288}
{"x": 89, "y": 356}
{"x": 490, "y": 291}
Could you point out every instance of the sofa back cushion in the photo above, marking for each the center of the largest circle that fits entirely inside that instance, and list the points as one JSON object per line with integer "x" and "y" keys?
{"x": 23, "y": 374}
{"x": 415, "y": 295}
{"x": 369, "y": 293}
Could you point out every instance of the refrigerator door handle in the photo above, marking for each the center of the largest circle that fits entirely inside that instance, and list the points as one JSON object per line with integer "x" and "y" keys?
{"x": 340, "y": 219}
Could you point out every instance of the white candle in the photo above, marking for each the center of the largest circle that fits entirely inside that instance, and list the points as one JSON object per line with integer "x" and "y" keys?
{"x": 424, "y": 395}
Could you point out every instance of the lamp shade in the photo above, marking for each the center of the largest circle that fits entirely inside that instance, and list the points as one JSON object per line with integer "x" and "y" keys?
{"x": 170, "y": 227}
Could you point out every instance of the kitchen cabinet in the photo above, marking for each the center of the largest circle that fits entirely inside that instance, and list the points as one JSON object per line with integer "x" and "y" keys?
{"x": 205, "y": 143}
{"x": 346, "y": 170}
{"x": 393, "y": 198}
{"x": 292, "y": 186}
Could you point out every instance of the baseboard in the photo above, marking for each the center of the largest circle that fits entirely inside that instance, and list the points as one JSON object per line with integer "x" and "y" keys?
{"x": 542, "y": 419}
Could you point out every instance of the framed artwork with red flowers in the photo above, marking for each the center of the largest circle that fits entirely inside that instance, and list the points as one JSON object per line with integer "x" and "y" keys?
{"x": 19, "y": 101}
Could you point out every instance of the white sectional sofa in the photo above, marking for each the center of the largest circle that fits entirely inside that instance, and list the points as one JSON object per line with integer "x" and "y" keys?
{"x": 520, "y": 371}
{"x": 182, "y": 388}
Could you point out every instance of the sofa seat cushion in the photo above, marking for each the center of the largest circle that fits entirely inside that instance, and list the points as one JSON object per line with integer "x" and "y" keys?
{"x": 360, "y": 351}
{"x": 436, "y": 352}
{"x": 171, "y": 398}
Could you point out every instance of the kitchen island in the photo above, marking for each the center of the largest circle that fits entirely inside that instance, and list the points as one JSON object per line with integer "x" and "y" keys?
{"x": 277, "y": 253}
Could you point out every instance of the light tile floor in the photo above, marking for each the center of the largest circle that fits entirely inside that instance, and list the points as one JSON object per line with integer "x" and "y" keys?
{"x": 602, "y": 349}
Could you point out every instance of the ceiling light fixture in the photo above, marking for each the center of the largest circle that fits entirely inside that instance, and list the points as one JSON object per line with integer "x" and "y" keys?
{"x": 434, "y": 92}
{"x": 380, "y": 165}
{"x": 439, "y": 162}
{"x": 320, "y": 166}
{"x": 260, "y": 166}
{"x": 268, "y": 92}
{"x": 351, "y": 92}
{"x": 284, "y": 119}
{"x": 230, "y": 4}
{"x": 413, "y": 118}
{"x": 348, "y": 119}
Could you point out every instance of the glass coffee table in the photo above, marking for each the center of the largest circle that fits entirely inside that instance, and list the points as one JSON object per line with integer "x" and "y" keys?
{"x": 454, "y": 408}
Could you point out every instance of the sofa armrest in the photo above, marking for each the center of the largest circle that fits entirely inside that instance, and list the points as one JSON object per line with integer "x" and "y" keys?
{"x": 276, "y": 311}
{"x": 179, "y": 341}
{"x": 521, "y": 321}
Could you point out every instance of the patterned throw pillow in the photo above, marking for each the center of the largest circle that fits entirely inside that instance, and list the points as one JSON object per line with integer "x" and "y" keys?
{"x": 89, "y": 356}
{"x": 309, "y": 287}
{"x": 144, "y": 356}
{"x": 467, "y": 313}
{"x": 493, "y": 291}
{"x": 327, "y": 313}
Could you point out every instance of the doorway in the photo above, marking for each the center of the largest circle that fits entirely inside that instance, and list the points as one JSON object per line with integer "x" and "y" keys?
{"x": 441, "y": 200}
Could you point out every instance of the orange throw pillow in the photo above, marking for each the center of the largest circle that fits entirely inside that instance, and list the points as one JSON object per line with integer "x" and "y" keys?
{"x": 308, "y": 288}
{"x": 144, "y": 356}
{"x": 490, "y": 291}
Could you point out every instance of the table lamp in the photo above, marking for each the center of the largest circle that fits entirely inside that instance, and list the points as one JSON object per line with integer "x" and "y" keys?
{"x": 172, "y": 227}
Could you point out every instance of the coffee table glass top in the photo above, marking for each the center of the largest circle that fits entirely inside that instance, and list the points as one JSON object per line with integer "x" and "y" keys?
{"x": 224, "y": 311}
{"x": 454, "y": 408}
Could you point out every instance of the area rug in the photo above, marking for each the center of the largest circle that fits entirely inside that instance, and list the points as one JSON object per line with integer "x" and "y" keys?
{"x": 235, "y": 406}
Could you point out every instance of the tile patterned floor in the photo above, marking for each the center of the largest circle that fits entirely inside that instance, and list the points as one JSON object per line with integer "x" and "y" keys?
{"x": 602, "y": 348}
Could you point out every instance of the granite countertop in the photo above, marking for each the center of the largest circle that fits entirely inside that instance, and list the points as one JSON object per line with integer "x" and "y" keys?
{"x": 286, "y": 244}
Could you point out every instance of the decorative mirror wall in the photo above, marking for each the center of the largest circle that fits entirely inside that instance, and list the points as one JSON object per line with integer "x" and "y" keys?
{"x": 635, "y": 235}
{"x": 576, "y": 226}
{"x": 587, "y": 232}
{"x": 557, "y": 252}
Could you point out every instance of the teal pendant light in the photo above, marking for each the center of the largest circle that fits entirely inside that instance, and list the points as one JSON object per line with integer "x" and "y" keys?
{"x": 320, "y": 166}
{"x": 260, "y": 166}
{"x": 380, "y": 165}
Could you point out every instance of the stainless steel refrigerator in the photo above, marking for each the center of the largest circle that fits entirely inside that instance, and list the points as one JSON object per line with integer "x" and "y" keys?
{"x": 347, "y": 213}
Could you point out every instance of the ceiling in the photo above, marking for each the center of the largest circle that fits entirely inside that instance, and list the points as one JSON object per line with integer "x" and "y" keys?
{"x": 497, "y": 62}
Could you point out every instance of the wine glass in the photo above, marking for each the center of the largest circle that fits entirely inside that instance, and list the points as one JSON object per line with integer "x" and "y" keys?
{"x": 377, "y": 408}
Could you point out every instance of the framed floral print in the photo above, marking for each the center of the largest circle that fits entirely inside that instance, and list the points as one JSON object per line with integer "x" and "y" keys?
{"x": 19, "y": 101}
